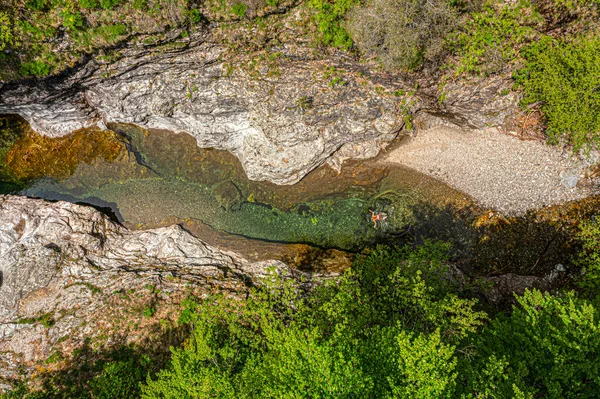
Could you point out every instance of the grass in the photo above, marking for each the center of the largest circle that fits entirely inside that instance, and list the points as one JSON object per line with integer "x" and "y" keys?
{"x": 46, "y": 320}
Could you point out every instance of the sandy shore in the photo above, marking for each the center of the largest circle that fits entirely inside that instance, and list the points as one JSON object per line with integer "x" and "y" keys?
{"x": 498, "y": 171}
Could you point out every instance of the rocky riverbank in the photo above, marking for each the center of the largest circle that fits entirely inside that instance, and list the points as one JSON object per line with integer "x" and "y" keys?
{"x": 499, "y": 171}
{"x": 282, "y": 110}
{"x": 69, "y": 274}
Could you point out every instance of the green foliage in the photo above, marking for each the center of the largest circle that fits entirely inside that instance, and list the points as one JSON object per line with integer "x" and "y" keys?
{"x": 547, "y": 347}
{"x": 490, "y": 39}
{"x": 139, "y": 4}
{"x": 47, "y": 320}
{"x": 89, "y": 4}
{"x": 239, "y": 9}
{"x": 195, "y": 16}
{"x": 564, "y": 77}
{"x": 402, "y": 34}
{"x": 330, "y": 17}
{"x": 109, "y": 4}
{"x": 35, "y": 68}
{"x": 589, "y": 259}
{"x": 120, "y": 378}
{"x": 71, "y": 19}
{"x": 387, "y": 328}
{"x": 6, "y": 36}
{"x": 37, "y": 5}
{"x": 111, "y": 33}
{"x": 149, "y": 312}
{"x": 117, "y": 375}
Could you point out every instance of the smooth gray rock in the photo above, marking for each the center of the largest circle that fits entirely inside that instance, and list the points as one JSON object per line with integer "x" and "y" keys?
{"x": 570, "y": 178}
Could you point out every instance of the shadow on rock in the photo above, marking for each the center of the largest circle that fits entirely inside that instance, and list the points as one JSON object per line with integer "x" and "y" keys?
{"x": 115, "y": 370}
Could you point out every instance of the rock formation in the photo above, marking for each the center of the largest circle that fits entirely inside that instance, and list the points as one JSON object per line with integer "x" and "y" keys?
{"x": 282, "y": 116}
{"x": 68, "y": 273}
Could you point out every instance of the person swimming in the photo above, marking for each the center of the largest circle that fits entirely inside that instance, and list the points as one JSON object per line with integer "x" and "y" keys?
{"x": 377, "y": 217}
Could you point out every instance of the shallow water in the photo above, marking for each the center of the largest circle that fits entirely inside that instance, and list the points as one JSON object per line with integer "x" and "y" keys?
{"x": 160, "y": 175}
{"x": 153, "y": 178}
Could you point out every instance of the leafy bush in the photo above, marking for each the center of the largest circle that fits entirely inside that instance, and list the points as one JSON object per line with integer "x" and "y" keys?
{"x": 109, "y": 4}
{"x": 239, "y": 9}
{"x": 564, "y": 77}
{"x": 589, "y": 259}
{"x": 388, "y": 328}
{"x": 71, "y": 19}
{"x": 35, "y": 68}
{"x": 547, "y": 347}
{"x": 117, "y": 375}
{"x": 195, "y": 16}
{"x": 330, "y": 18}
{"x": 111, "y": 33}
{"x": 89, "y": 4}
{"x": 139, "y": 4}
{"x": 402, "y": 33}
{"x": 36, "y": 4}
{"x": 6, "y": 36}
{"x": 491, "y": 38}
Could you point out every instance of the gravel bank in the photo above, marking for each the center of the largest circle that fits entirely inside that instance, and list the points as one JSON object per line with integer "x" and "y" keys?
{"x": 499, "y": 171}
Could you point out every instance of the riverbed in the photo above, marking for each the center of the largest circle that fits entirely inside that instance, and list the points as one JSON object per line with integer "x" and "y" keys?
{"x": 148, "y": 178}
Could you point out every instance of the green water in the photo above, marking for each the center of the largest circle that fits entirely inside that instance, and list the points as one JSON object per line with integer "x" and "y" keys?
{"x": 152, "y": 178}
{"x": 162, "y": 175}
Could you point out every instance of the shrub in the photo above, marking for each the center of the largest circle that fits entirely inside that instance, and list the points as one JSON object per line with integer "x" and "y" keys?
{"x": 589, "y": 258}
{"x": 330, "y": 18}
{"x": 547, "y": 347}
{"x": 6, "y": 36}
{"x": 194, "y": 15}
{"x": 35, "y": 68}
{"x": 109, "y": 4}
{"x": 564, "y": 77}
{"x": 110, "y": 33}
{"x": 490, "y": 39}
{"x": 71, "y": 19}
{"x": 88, "y": 4}
{"x": 37, "y": 5}
{"x": 117, "y": 375}
{"x": 387, "y": 328}
{"x": 139, "y": 4}
{"x": 239, "y": 9}
{"x": 402, "y": 33}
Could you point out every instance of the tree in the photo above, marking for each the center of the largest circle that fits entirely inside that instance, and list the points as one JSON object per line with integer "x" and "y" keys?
{"x": 547, "y": 347}
{"x": 387, "y": 328}
{"x": 402, "y": 33}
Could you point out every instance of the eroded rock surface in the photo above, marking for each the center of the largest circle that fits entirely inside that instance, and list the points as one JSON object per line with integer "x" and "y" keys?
{"x": 69, "y": 272}
{"x": 282, "y": 110}
{"x": 280, "y": 126}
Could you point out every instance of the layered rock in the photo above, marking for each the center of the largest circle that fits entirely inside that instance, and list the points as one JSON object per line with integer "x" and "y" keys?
{"x": 70, "y": 273}
{"x": 280, "y": 125}
{"x": 282, "y": 110}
